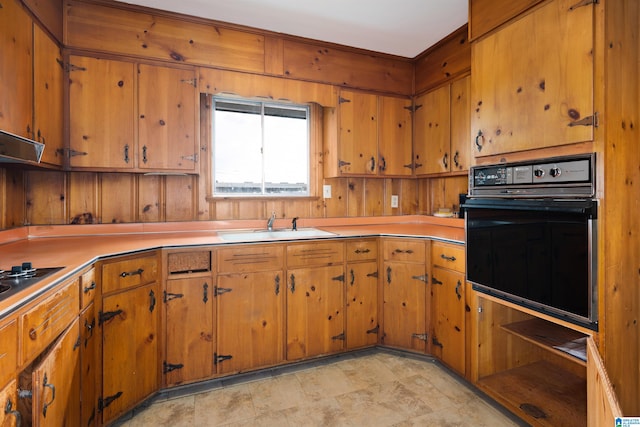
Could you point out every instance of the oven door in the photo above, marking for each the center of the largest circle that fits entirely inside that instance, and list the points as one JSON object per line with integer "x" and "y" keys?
{"x": 536, "y": 253}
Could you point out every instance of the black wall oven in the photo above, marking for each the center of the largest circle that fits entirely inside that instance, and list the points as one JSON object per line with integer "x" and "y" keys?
{"x": 531, "y": 235}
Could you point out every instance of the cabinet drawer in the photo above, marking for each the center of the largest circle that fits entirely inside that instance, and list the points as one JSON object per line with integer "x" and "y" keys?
{"x": 304, "y": 254}
{"x": 404, "y": 250}
{"x": 448, "y": 256}
{"x": 87, "y": 287}
{"x": 8, "y": 352}
{"x": 128, "y": 273}
{"x": 188, "y": 262}
{"x": 250, "y": 258}
{"x": 362, "y": 250}
{"x": 44, "y": 322}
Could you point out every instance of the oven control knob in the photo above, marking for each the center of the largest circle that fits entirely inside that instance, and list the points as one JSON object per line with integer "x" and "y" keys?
{"x": 538, "y": 173}
{"x": 555, "y": 172}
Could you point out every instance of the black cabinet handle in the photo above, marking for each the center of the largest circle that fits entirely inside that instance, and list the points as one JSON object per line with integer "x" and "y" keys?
{"x": 447, "y": 258}
{"x": 353, "y": 277}
{"x": 293, "y": 283}
{"x": 131, "y": 273}
{"x": 458, "y": 290}
{"x": 152, "y": 300}
{"x": 53, "y": 395}
{"x": 479, "y": 137}
{"x": 90, "y": 287}
{"x": 445, "y": 160}
{"x": 389, "y": 275}
{"x": 8, "y": 409}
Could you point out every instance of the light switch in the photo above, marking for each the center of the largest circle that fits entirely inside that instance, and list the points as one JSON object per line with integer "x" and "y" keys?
{"x": 326, "y": 191}
{"x": 394, "y": 201}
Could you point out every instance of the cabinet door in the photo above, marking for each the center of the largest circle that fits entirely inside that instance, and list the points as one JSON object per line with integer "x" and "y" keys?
{"x": 395, "y": 137}
{"x": 190, "y": 338}
{"x": 101, "y": 113}
{"x": 315, "y": 311}
{"x": 362, "y": 304}
{"x": 448, "y": 318}
{"x": 56, "y": 382}
{"x": 167, "y": 118}
{"x": 9, "y": 415}
{"x": 16, "y": 84}
{"x": 9, "y": 351}
{"x": 250, "y": 320}
{"x": 48, "y": 107}
{"x": 527, "y": 95}
{"x": 432, "y": 127}
{"x": 460, "y": 119}
{"x": 89, "y": 362}
{"x": 130, "y": 367}
{"x": 358, "y": 137}
{"x": 404, "y": 311}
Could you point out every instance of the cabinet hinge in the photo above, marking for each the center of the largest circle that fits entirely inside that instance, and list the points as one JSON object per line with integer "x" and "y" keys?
{"x": 342, "y": 163}
{"x": 422, "y": 337}
{"x": 417, "y": 107}
{"x": 342, "y": 100}
{"x": 434, "y": 341}
{"x": 191, "y": 158}
{"x": 217, "y": 358}
{"x": 374, "y": 330}
{"x": 219, "y": 291}
{"x": 338, "y": 337}
{"x": 193, "y": 82}
{"x": 374, "y": 274}
{"x": 108, "y": 315}
{"x": 169, "y": 296}
{"x": 77, "y": 343}
{"x": 339, "y": 278}
{"x": 411, "y": 108}
{"x": 103, "y": 403}
{"x": 168, "y": 367}
{"x": 435, "y": 281}
{"x": 70, "y": 152}
{"x": 422, "y": 278}
{"x": 68, "y": 67}
{"x": 586, "y": 121}
{"x": 583, "y": 3}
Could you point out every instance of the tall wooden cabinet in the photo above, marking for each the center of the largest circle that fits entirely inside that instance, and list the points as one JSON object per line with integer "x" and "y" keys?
{"x": 129, "y": 321}
{"x": 362, "y": 293}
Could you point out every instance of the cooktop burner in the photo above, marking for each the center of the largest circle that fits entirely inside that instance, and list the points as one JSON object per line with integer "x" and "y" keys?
{"x": 21, "y": 277}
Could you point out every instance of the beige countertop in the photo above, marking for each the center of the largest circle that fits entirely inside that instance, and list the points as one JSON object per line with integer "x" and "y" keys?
{"x": 78, "y": 246}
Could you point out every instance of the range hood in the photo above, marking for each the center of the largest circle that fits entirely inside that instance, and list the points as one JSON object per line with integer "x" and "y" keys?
{"x": 16, "y": 149}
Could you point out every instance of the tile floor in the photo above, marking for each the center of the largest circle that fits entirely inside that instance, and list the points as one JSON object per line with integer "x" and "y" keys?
{"x": 371, "y": 388}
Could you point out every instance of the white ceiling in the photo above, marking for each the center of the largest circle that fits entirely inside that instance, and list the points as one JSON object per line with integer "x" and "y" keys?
{"x": 398, "y": 27}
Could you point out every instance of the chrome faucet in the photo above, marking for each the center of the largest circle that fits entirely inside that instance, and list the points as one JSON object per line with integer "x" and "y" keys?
{"x": 270, "y": 221}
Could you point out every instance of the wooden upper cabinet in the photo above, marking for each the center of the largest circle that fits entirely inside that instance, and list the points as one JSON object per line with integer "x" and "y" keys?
{"x": 527, "y": 95}
{"x": 394, "y": 142}
{"x": 460, "y": 119}
{"x": 167, "y": 125}
{"x": 101, "y": 113}
{"x": 48, "y": 109}
{"x": 486, "y": 15}
{"x": 432, "y": 145}
{"x": 16, "y": 84}
{"x": 358, "y": 133}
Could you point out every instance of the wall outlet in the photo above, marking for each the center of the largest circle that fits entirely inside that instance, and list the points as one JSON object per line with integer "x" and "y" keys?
{"x": 394, "y": 201}
{"x": 326, "y": 191}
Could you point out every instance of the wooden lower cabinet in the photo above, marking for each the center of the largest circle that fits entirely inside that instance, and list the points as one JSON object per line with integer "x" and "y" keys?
{"x": 55, "y": 382}
{"x": 190, "y": 307}
{"x": 315, "y": 311}
{"x": 9, "y": 415}
{"x": 89, "y": 366}
{"x": 250, "y": 332}
{"x": 130, "y": 368}
{"x": 448, "y": 318}
{"x": 362, "y": 304}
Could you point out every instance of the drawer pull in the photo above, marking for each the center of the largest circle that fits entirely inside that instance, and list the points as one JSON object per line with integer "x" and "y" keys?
{"x": 8, "y": 409}
{"x": 401, "y": 251}
{"x": 91, "y": 287}
{"x": 132, "y": 273}
{"x": 53, "y": 396}
{"x": 108, "y": 315}
{"x": 362, "y": 251}
{"x": 447, "y": 258}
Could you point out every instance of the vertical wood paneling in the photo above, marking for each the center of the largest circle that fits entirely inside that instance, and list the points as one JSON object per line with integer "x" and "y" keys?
{"x": 117, "y": 201}
{"x": 408, "y": 202}
{"x": 336, "y": 206}
{"x": 46, "y": 197}
{"x": 12, "y": 198}
{"x": 149, "y": 190}
{"x": 444, "y": 193}
{"x": 224, "y": 210}
{"x": 180, "y": 198}
{"x": 355, "y": 197}
{"x": 83, "y": 198}
{"x": 374, "y": 197}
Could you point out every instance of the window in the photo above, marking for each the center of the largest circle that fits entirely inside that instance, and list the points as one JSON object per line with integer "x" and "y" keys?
{"x": 259, "y": 148}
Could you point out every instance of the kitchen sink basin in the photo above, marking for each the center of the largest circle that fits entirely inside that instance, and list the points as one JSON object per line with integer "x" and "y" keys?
{"x": 279, "y": 234}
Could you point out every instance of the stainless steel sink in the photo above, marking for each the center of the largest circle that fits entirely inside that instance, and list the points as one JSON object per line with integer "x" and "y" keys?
{"x": 280, "y": 234}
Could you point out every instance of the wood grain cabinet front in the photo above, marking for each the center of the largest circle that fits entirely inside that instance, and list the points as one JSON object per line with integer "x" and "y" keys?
{"x": 362, "y": 293}
{"x": 127, "y": 272}
{"x": 9, "y": 351}
{"x": 404, "y": 282}
{"x": 10, "y": 416}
